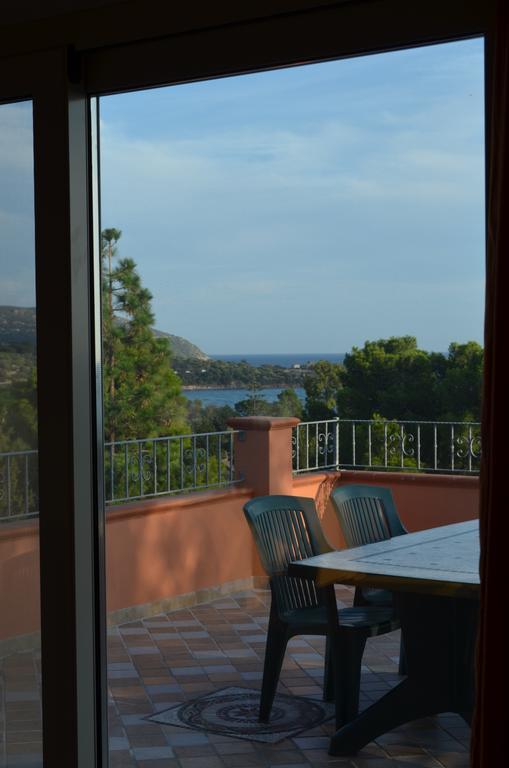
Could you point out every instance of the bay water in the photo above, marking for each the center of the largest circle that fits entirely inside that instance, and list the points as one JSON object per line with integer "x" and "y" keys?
{"x": 219, "y": 397}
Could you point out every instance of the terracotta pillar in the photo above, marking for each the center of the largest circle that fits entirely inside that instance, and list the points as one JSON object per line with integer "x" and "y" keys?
{"x": 263, "y": 453}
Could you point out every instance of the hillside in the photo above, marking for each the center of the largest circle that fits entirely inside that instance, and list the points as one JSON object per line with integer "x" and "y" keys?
{"x": 182, "y": 348}
{"x": 17, "y": 326}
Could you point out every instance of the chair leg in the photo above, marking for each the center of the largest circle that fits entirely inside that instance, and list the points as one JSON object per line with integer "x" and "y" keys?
{"x": 402, "y": 668}
{"x": 347, "y": 678}
{"x": 328, "y": 671}
{"x": 277, "y": 638}
{"x": 358, "y": 598}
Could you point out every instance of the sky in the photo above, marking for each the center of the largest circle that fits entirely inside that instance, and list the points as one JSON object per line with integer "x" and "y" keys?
{"x": 17, "y": 267}
{"x": 302, "y": 210}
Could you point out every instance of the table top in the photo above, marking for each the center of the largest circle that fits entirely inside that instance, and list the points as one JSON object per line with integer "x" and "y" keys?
{"x": 439, "y": 561}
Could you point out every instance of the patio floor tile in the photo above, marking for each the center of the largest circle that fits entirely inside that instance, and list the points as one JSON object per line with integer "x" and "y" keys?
{"x": 171, "y": 658}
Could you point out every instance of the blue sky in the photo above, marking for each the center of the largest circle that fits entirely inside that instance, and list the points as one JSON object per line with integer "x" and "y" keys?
{"x": 307, "y": 209}
{"x": 17, "y": 268}
{"x": 302, "y": 210}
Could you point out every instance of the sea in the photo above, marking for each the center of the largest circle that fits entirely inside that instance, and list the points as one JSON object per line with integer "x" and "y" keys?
{"x": 229, "y": 397}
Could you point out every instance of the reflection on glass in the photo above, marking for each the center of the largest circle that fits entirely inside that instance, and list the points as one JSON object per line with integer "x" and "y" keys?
{"x": 20, "y": 679}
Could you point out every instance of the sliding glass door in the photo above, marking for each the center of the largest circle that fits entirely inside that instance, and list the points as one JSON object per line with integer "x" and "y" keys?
{"x": 20, "y": 638}
{"x": 52, "y": 610}
{"x": 50, "y": 593}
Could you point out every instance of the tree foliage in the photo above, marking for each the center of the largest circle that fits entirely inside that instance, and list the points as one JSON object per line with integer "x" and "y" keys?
{"x": 286, "y": 404}
{"x": 459, "y": 388}
{"x": 18, "y": 432}
{"x": 396, "y": 380}
{"x": 142, "y": 394}
{"x": 225, "y": 373}
{"x": 208, "y": 418}
{"x": 389, "y": 376}
{"x": 322, "y": 388}
{"x": 18, "y": 415}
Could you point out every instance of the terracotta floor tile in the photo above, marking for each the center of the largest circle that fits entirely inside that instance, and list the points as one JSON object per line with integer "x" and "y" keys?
{"x": 200, "y": 750}
{"x": 121, "y": 759}
{"x": 205, "y": 761}
{"x": 170, "y": 658}
{"x": 244, "y": 760}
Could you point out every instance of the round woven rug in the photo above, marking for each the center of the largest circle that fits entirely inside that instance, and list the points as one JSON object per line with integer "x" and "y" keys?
{"x": 234, "y": 712}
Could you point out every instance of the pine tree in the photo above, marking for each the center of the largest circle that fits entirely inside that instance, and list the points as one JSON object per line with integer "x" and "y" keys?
{"x": 142, "y": 394}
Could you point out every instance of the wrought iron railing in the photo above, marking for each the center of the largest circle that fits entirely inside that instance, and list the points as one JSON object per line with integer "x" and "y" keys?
{"x": 451, "y": 447}
{"x": 18, "y": 485}
{"x": 133, "y": 469}
{"x": 136, "y": 469}
{"x": 315, "y": 445}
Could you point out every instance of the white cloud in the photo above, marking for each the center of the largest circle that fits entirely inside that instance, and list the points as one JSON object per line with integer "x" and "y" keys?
{"x": 241, "y": 217}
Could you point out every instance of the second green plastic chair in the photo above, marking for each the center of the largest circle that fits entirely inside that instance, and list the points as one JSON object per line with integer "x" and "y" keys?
{"x": 285, "y": 529}
{"x": 367, "y": 513}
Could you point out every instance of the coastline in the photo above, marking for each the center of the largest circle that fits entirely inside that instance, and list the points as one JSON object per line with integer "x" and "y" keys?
{"x": 205, "y": 388}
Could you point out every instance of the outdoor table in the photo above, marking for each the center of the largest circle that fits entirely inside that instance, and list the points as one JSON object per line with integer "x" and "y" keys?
{"x": 434, "y": 575}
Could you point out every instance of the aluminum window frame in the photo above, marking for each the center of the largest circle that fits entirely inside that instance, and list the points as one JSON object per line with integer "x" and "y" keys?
{"x": 70, "y": 522}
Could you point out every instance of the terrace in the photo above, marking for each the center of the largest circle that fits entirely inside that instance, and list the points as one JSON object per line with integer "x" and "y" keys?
{"x": 185, "y": 620}
{"x": 158, "y": 662}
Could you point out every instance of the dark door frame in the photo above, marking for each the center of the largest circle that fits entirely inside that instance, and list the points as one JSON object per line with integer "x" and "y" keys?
{"x": 70, "y": 520}
{"x": 62, "y": 84}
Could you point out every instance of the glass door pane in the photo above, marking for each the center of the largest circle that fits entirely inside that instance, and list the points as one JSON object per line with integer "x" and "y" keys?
{"x": 20, "y": 664}
{"x": 306, "y": 242}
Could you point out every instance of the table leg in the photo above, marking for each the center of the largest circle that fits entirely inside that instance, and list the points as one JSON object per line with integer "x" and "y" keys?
{"x": 439, "y": 637}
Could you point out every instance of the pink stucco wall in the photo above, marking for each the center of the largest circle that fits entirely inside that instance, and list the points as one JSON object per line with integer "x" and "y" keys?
{"x": 19, "y": 579}
{"x": 423, "y": 501}
{"x": 172, "y": 546}
{"x": 161, "y": 548}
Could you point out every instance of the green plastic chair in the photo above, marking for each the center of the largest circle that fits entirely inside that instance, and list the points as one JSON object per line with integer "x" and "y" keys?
{"x": 367, "y": 513}
{"x": 285, "y": 529}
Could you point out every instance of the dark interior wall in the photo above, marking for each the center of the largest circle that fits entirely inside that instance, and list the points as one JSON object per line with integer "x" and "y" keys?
{"x": 15, "y": 11}
{"x": 32, "y": 25}
{"x": 91, "y": 24}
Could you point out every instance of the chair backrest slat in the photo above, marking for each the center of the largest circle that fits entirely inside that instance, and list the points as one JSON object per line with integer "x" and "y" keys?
{"x": 286, "y": 528}
{"x": 366, "y": 514}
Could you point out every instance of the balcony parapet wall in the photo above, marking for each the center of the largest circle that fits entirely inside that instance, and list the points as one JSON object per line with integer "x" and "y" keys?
{"x": 263, "y": 453}
{"x": 165, "y": 552}
{"x": 422, "y": 500}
